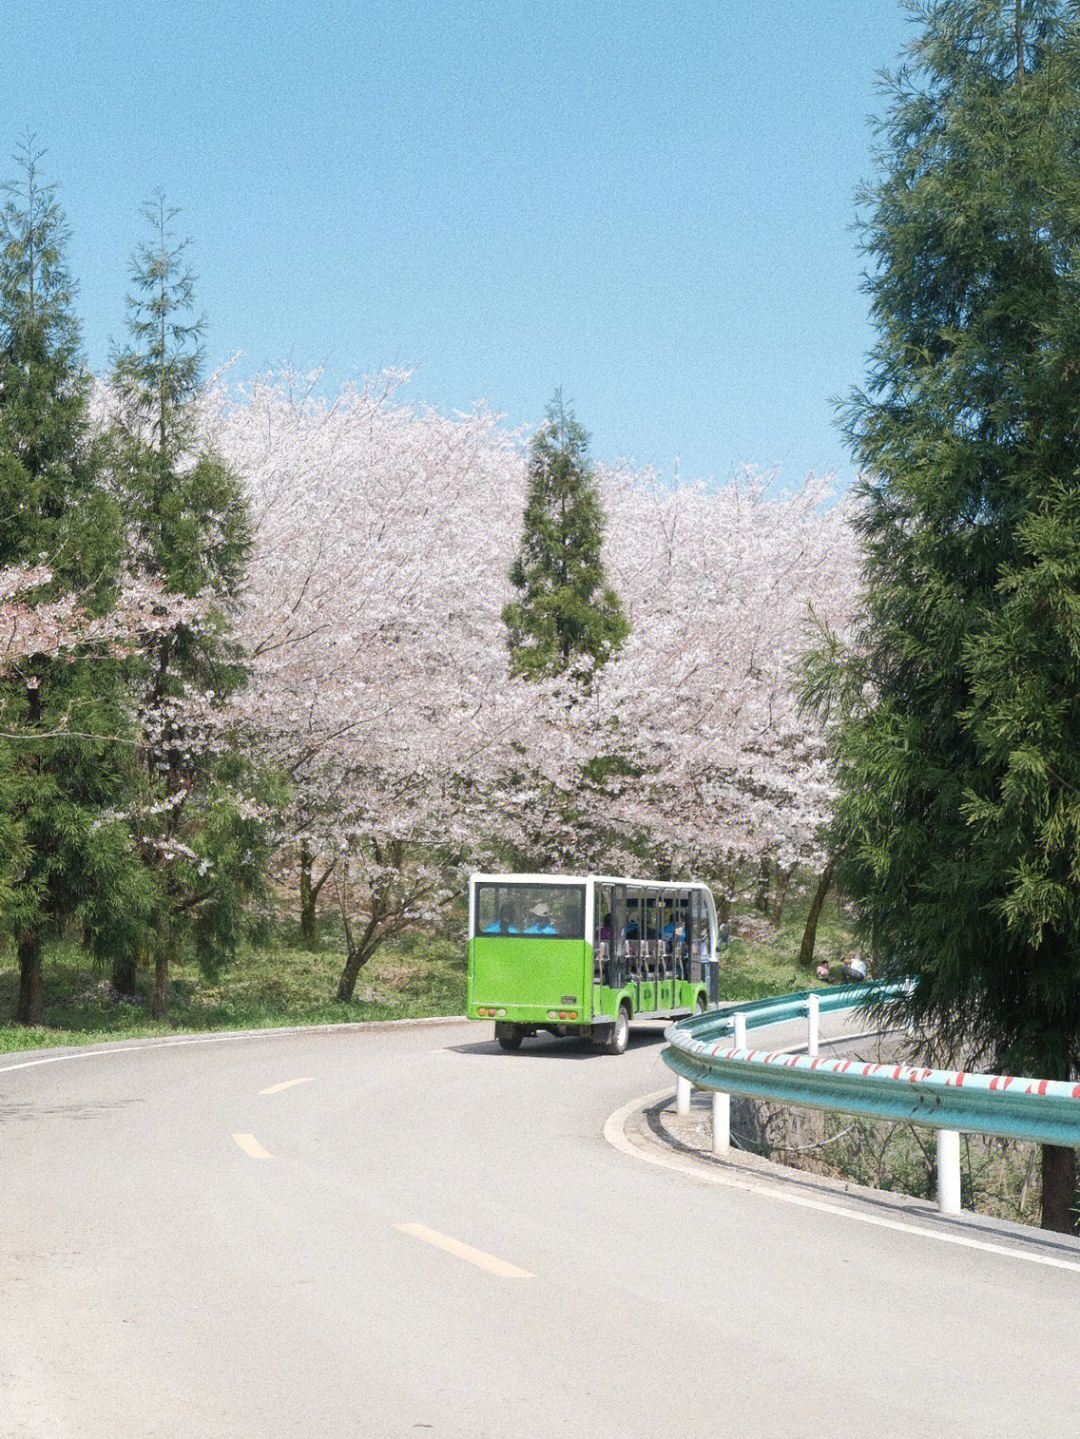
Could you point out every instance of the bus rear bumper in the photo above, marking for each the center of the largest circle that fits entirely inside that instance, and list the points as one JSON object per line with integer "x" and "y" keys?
{"x": 532, "y": 1015}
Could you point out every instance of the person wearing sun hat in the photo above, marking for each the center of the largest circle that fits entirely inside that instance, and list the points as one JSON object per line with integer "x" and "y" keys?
{"x": 540, "y": 920}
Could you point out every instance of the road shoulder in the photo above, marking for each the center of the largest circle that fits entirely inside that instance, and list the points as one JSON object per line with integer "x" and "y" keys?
{"x": 648, "y": 1129}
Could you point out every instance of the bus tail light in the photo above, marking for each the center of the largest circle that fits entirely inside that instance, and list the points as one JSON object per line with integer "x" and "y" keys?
{"x": 501, "y": 1013}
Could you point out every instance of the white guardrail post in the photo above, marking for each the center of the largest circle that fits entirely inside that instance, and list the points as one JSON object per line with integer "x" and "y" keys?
{"x": 948, "y": 1171}
{"x": 721, "y": 1103}
{"x": 813, "y": 1014}
{"x": 683, "y": 1088}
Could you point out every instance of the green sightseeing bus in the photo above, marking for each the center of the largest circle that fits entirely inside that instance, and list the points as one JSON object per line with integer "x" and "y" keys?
{"x": 586, "y": 955}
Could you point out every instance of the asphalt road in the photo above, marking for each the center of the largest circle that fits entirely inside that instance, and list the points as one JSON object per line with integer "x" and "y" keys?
{"x": 402, "y": 1231}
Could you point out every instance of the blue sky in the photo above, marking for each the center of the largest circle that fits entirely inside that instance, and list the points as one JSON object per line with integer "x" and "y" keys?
{"x": 647, "y": 204}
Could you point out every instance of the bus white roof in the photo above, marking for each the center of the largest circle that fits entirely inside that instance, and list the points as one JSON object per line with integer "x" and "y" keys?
{"x": 635, "y": 881}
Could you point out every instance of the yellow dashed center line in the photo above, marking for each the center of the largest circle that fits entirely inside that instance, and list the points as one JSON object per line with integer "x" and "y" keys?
{"x": 250, "y": 1145}
{"x": 285, "y": 1084}
{"x": 465, "y": 1251}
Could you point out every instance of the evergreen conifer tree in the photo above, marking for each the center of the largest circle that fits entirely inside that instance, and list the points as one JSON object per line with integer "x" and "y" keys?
{"x": 957, "y": 712}
{"x": 567, "y": 619}
{"x": 54, "y": 506}
{"x": 64, "y": 763}
{"x": 188, "y": 516}
{"x": 187, "y": 510}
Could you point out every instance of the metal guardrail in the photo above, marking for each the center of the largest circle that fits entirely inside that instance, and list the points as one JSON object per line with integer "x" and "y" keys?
{"x": 715, "y": 1023}
{"x": 702, "y": 1054}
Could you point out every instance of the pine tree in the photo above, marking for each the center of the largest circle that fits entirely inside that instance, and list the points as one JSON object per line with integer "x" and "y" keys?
{"x": 64, "y": 762}
{"x": 53, "y": 505}
{"x": 188, "y": 510}
{"x": 188, "y": 515}
{"x": 958, "y": 736}
{"x": 567, "y": 620}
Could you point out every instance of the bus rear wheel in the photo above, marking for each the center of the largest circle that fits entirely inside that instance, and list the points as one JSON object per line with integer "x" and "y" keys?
{"x": 508, "y": 1035}
{"x": 619, "y": 1034}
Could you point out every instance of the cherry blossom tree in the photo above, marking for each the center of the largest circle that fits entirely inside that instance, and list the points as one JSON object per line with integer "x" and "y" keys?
{"x": 354, "y": 692}
{"x": 383, "y": 535}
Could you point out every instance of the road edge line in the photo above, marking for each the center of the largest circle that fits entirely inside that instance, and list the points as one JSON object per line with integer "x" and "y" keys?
{"x": 766, "y": 1187}
{"x": 222, "y": 1036}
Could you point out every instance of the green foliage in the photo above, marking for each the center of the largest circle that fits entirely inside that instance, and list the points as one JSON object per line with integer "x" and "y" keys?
{"x": 69, "y": 766}
{"x": 567, "y": 619}
{"x": 52, "y": 506}
{"x": 200, "y": 832}
{"x": 602, "y": 769}
{"x": 957, "y": 739}
{"x": 186, "y": 509}
{"x": 157, "y": 375}
{"x": 66, "y": 757}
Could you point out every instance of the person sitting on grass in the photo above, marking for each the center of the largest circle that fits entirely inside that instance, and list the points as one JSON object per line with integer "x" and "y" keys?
{"x": 853, "y": 969}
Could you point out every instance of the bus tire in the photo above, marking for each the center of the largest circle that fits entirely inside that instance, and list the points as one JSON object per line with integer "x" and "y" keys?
{"x": 508, "y": 1035}
{"x": 619, "y": 1034}
{"x": 701, "y": 1004}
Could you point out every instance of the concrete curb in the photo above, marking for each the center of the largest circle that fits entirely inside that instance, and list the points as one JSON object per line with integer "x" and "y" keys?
{"x": 638, "y": 1130}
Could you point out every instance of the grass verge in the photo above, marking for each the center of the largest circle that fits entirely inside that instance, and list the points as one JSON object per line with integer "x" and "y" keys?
{"x": 267, "y": 985}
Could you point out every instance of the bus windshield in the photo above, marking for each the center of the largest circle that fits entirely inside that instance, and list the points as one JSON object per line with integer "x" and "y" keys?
{"x": 555, "y": 910}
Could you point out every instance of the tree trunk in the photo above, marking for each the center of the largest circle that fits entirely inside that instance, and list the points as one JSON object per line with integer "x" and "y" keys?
{"x": 160, "y": 1001}
{"x": 123, "y": 975}
{"x": 309, "y": 893}
{"x": 783, "y": 880}
{"x": 761, "y": 895}
{"x": 307, "y": 897}
{"x": 809, "y": 939}
{"x": 1058, "y": 1189}
{"x": 355, "y": 960}
{"x": 30, "y": 1008}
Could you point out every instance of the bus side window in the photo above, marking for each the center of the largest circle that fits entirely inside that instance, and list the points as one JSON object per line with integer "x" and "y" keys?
{"x": 633, "y": 935}
{"x": 618, "y": 936}
{"x": 697, "y": 915}
{"x": 678, "y": 935}
{"x": 603, "y": 915}
{"x": 487, "y": 917}
{"x": 602, "y": 946}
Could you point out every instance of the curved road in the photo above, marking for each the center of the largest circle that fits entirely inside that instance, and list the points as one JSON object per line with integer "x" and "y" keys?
{"x": 402, "y": 1230}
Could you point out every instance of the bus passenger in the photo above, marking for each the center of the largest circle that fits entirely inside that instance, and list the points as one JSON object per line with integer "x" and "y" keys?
{"x": 504, "y": 924}
{"x": 540, "y": 915}
{"x": 674, "y": 931}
